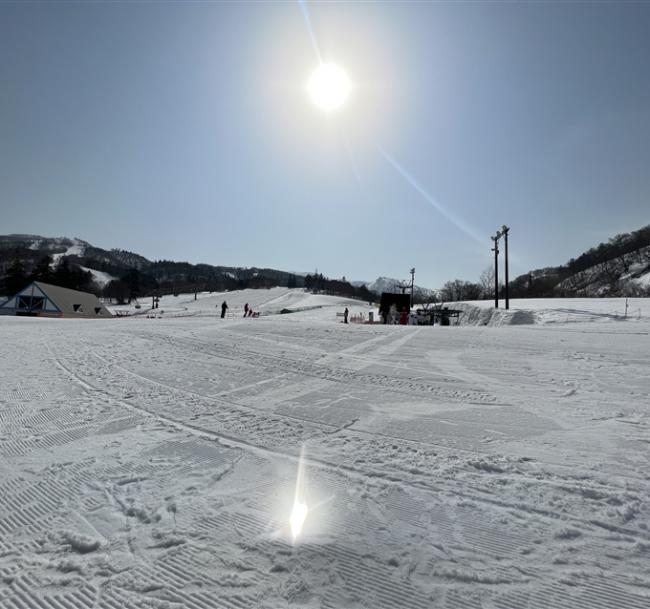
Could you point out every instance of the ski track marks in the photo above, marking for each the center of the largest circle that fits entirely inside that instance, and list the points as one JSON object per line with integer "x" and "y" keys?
{"x": 145, "y": 467}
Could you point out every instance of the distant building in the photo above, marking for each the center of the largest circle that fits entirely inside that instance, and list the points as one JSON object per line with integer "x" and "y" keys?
{"x": 45, "y": 300}
{"x": 397, "y": 302}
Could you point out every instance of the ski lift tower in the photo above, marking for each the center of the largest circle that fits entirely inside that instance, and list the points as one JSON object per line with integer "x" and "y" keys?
{"x": 504, "y": 233}
{"x": 495, "y": 249}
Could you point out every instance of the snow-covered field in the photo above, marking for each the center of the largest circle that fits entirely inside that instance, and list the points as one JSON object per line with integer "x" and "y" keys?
{"x": 152, "y": 462}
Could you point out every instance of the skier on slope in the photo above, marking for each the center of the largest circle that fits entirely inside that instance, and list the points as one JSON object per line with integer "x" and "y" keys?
{"x": 345, "y": 316}
{"x": 245, "y": 309}
{"x": 224, "y": 308}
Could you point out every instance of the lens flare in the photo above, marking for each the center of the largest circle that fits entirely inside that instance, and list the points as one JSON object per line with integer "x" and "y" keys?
{"x": 298, "y": 517}
{"x": 300, "y": 509}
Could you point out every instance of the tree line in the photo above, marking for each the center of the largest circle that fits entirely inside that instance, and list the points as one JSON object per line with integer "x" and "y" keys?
{"x": 318, "y": 283}
{"x": 163, "y": 278}
{"x": 64, "y": 274}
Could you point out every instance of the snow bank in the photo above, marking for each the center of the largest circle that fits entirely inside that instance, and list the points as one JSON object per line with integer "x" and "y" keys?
{"x": 551, "y": 311}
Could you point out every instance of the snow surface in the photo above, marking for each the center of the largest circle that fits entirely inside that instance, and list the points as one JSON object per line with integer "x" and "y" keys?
{"x": 101, "y": 278}
{"x": 553, "y": 311}
{"x": 266, "y": 301}
{"x": 76, "y": 249}
{"x": 152, "y": 462}
{"x": 643, "y": 280}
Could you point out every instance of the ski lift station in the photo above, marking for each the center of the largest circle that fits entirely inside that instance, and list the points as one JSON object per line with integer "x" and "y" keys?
{"x": 44, "y": 300}
{"x": 393, "y": 308}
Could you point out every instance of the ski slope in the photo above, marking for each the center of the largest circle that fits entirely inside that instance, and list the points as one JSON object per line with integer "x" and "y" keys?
{"x": 266, "y": 302}
{"x": 151, "y": 463}
{"x": 76, "y": 249}
{"x": 101, "y": 278}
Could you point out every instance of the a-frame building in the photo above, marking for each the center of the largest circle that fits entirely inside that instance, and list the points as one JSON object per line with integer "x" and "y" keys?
{"x": 43, "y": 299}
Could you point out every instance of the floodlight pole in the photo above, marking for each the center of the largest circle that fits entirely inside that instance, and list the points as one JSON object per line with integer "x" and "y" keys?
{"x": 412, "y": 284}
{"x": 504, "y": 232}
{"x": 495, "y": 249}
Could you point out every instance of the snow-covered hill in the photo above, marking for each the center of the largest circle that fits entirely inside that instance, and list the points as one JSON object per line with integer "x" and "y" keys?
{"x": 628, "y": 273}
{"x": 135, "y": 274}
{"x": 620, "y": 267}
{"x": 271, "y": 301}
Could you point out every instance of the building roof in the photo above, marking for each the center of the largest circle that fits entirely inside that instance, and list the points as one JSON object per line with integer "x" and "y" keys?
{"x": 63, "y": 301}
{"x": 67, "y": 299}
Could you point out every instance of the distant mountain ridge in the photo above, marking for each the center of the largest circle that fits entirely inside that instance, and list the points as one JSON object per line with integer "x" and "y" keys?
{"x": 389, "y": 284}
{"x": 115, "y": 263}
{"x": 620, "y": 267}
{"x": 122, "y": 274}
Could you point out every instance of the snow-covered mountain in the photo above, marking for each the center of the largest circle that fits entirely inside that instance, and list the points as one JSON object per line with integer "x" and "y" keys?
{"x": 390, "y": 284}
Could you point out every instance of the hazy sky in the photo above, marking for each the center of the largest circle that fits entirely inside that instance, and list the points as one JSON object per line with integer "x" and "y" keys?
{"x": 184, "y": 131}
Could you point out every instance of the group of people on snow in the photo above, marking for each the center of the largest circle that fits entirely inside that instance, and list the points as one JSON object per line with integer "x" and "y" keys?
{"x": 248, "y": 311}
{"x": 393, "y": 316}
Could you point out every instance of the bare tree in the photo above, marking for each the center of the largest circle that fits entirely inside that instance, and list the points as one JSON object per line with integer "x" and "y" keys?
{"x": 486, "y": 281}
{"x": 457, "y": 290}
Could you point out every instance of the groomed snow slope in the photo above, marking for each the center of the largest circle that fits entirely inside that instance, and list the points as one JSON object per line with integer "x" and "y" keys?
{"x": 150, "y": 463}
{"x": 266, "y": 302}
{"x": 322, "y": 307}
{"x": 101, "y": 278}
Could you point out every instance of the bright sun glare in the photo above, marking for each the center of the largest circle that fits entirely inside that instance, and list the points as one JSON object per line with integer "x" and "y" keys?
{"x": 328, "y": 87}
{"x": 300, "y": 509}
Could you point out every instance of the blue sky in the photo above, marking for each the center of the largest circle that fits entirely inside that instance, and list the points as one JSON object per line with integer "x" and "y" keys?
{"x": 183, "y": 131}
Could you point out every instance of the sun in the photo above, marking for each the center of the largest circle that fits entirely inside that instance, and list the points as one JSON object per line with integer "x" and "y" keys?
{"x": 328, "y": 87}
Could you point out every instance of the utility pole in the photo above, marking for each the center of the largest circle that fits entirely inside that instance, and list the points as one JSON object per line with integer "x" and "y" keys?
{"x": 412, "y": 284}
{"x": 504, "y": 232}
{"x": 495, "y": 249}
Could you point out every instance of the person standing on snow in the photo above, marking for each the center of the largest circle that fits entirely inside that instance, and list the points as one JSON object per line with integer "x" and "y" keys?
{"x": 224, "y": 308}
{"x": 345, "y": 316}
{"x": 393, "y": 314}
{"x": 404, "y": 317}
{"x": 245, "y": 309}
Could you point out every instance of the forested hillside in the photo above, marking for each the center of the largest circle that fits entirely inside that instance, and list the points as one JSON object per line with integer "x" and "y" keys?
{"x": 121, "y": 275}
{"x": 620, "y": 267}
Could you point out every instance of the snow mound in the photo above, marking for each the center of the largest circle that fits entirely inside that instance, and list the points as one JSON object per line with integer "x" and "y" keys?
{"x": 551, "y": 311}
{"x": 83, "y": 544}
